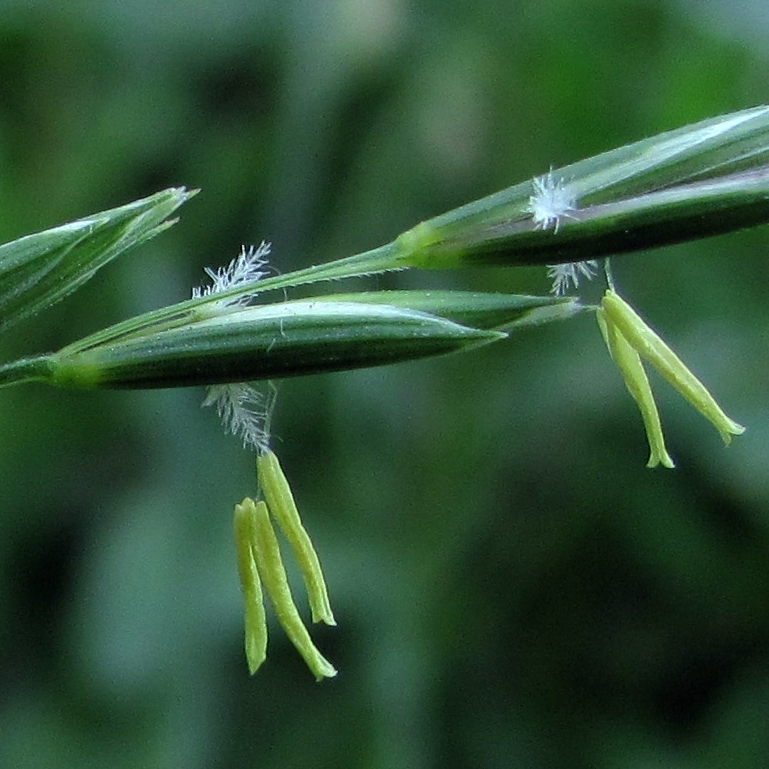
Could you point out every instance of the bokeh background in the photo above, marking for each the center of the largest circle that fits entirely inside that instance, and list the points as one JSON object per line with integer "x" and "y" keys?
{"x": 513, "y": 587}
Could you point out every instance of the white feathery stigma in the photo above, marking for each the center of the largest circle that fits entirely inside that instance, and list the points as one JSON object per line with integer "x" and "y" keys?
{"x": 244, "y": 410}
{"x": 247, "y": 267}
{"x": 564, "y": 276}
{"x": 551, "y": 202}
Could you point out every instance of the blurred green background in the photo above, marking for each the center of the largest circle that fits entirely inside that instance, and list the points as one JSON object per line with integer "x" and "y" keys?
{"x": 513, "y": 587}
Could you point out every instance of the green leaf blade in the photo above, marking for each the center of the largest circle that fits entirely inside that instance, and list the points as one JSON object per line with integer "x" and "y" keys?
{"x": 265, "y": 342}
{"x": 476, "y": 309}
{"x": 700, "y": 180}
{"x": 40, "y": 269}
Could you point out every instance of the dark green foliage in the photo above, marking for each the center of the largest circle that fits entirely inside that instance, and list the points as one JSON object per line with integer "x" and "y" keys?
{"x": 512, "y": 586}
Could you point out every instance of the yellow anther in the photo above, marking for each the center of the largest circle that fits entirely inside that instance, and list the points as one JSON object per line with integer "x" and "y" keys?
{"x": 637, "y": 383}
{"x": 253, "y": 601}
{"x": 264, "y": 545}
{"x": 280, "y": 501}
{"x": 648, "y": 344}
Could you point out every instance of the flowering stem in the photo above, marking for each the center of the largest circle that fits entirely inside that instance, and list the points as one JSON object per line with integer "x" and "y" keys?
{"x": 382, "y": 259}
{"x": 25, "y": 370}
